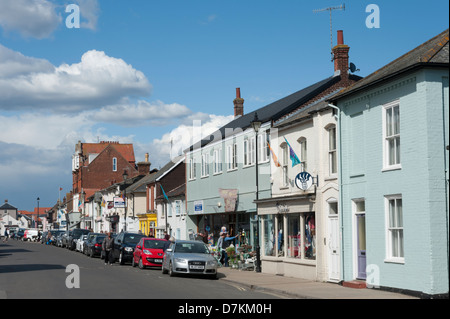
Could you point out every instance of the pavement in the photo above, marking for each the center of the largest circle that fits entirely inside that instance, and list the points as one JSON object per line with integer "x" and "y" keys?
{"x": 298, "y": 288}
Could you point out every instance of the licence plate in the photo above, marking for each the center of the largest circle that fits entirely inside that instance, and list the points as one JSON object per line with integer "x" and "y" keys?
{"x": 158, "y": 261}
{"x": 196, "y": 267}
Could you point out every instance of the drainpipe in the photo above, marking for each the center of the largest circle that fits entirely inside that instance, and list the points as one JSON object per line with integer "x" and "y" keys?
{"x": 341, "y": 219}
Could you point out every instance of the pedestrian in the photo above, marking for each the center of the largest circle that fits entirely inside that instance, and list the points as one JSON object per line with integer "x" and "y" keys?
{"x": 166, "y": 236}
{"x": 5, "y": 239}
{"x": 222, "y": 244}
{"x": 168, "y": 242}
{"x": 107, "y": 246}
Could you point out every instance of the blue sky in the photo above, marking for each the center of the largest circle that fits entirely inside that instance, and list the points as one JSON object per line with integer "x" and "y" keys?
{"x": 142, "y": 71}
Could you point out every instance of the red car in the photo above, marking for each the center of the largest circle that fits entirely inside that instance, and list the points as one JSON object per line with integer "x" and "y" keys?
{"x": 149, "y": 252}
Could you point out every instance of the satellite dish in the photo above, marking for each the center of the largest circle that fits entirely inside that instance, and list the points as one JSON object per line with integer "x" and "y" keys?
{"x": 353, "y": 68}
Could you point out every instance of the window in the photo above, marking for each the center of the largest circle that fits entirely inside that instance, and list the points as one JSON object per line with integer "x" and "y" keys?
{"x": 178, "y": 208}
{"x": 217, "y": 161}
{"x": 205, "y": 165}
{"x": 269, "y": 235}
{"x": 169, "y": 209}
{"x": 303, "y": 153}
{"x": 249, "y": 151}
{"x": 191, "y": 169}
{"x": 332, "y": 156}
{"x": 285, "y": 161}
{"x": 391, "y": 135}
{"x": 232, "y": 156}
{"x": 394, "y": 212}
{"x": 263, "y": 148}
{"x": 114, "y": 164}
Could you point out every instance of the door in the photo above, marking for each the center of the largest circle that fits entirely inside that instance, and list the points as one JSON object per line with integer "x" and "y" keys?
{"x": 361, "y": 245}
{"x": 333, "y": 249}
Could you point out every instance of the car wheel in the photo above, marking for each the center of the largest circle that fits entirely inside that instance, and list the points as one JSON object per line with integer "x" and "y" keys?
{"x": 133, "y": 263}
{"x": 164, "y": 270}
{"x": 171, "y": 273}
{"x": 91, "y": 253}
{"x": 141, "y": 264}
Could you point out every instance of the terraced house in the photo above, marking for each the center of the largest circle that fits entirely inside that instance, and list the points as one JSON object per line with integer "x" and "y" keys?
{"x": 394, "y": 200}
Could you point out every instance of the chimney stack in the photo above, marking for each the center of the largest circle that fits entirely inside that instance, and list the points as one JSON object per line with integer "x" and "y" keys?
{"x": 238, "y": 104}
{"x": 340, "y": 53}
{"x": 144, "y": 167}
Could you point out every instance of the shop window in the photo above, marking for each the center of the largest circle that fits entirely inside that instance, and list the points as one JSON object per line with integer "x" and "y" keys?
{"x": 310, "y": 236}
{"x": 294, "y": 236}
{"x": 269, "y": 235}
{"x": 280, "y": 236}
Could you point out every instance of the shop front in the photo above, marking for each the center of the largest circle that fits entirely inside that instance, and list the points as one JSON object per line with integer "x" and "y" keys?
{"x": 148, "y": 223}
{"x": 289, "y": 244}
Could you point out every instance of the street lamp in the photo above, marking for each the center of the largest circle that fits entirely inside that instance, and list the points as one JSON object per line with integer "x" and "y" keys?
{"x": 37, "y": 220}
{"x": 125, "y": 176}
{"x": 256, "y": 124}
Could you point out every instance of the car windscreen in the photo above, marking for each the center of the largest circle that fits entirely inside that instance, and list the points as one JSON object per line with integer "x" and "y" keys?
{"x": 99, "y": 239}
{"x": 193, "y": 248}
{"x": 132, "y": 239}
{"x": 154, "y": 244}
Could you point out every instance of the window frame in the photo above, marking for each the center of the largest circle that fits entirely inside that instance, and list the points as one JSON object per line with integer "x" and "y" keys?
{"x": 393, "y": 135}
{"x": 114, "y": 164}
{"x": 284, "y": 164}
{"x": 332, "y": 152}
{"x": 396, "y": 231}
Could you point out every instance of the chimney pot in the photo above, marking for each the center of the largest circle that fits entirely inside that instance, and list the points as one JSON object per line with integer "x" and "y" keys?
{"x": 238, "y": 104}
{"x": 238, "y": 93}
{"x": 340, "y": 35}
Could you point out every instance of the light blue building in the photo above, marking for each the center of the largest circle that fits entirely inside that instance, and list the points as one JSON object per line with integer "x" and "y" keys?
{"x": 393, "y": 134}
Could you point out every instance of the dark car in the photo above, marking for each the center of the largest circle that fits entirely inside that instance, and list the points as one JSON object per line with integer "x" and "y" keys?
{"x": 20, "y": 233}
{"x": 65, "y": 238}
{"x": 124, "y": 245}
{"x": 94, "y": 245}
{"x": 75, "y": 235}
{"x": 55, "y": 234}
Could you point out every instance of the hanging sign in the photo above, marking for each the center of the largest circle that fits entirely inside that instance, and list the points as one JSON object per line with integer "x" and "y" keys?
{"x": 303, "y": 181}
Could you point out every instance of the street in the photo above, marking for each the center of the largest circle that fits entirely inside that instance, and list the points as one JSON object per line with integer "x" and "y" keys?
{"x": 35, "y": 271}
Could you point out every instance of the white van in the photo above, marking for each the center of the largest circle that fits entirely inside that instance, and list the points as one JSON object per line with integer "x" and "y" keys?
{"x": 30, "y": 234}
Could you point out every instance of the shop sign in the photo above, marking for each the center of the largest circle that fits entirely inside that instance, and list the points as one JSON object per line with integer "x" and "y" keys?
{"x": 303, "y": 181}
{"x": 119, "y": 202}
{"x": 198, "y": 207}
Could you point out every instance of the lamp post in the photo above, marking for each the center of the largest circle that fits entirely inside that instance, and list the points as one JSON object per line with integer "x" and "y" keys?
{"x": 125, "y": 176}
{"x": 256, "y": 124}
{"x": 37, "y": 219}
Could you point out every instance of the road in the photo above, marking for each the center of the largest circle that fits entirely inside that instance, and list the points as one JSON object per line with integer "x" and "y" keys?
{"x": 32, "y": 270}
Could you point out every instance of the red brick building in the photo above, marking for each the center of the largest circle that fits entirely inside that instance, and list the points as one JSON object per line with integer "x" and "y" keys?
{"x": 98, "y": 165}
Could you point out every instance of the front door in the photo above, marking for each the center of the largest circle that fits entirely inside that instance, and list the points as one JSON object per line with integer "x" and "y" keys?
{"x": 333, "y": 249}
{"x": 361, "y": 245}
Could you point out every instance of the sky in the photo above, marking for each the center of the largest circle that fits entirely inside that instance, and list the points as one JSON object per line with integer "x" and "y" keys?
{"x": 146, "y": 72}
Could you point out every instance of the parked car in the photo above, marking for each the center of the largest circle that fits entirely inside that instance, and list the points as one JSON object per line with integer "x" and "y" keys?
{"x": 76, "y": 234}
{"x": 65, "y": 238}
{"x": 30, "y": 235}
{"x": 43, "y": 237}
{"x": 79, "y": 243}
{"x": 189, "y": 257}
{"x": 89, "y": 237}
{"x": 94, "y": 246}
{"x": 124, "y": 245}
{"x": 149, "y": 252}
{"x": 55, "y": 235}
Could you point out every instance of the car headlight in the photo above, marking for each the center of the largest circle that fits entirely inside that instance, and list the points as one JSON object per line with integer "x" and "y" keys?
{"x": 211, "y": 263}
{"x": 180, "y": 260}
{"x": 147, "y": 252}
{"x": 129, "y": 249}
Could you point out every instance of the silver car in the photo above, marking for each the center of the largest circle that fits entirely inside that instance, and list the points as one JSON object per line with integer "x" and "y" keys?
{"x": 189, "y": 257}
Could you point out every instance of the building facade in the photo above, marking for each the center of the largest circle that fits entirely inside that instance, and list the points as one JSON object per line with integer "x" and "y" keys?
{"x": 394, "y": 173}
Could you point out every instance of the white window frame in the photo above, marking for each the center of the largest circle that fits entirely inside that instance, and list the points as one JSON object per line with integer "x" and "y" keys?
{"x": 232, "y": 157}
{"x": 332, "y": 152}
{"x": 263, "y": 148}
{"x": 217, "y": 161}
{"x": 178, "y": 211}
{"x": 205, "y": 165}
{"x": 391, "y": 136}
{"x": 285, "y": 164}
{"x": 303, "y": 153}
{"x": 192, "y": 169}
{"x": 249, "y": 151}
{"x": 396, "y": 230}
{"x": 114, "y": 164}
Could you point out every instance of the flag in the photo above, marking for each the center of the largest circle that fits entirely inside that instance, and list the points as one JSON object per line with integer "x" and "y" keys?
{"x": 103, "y": 202}
{"x": 274, "y": 157}
{"x": 164, "y": 193}
{"x": 292, "y": 155}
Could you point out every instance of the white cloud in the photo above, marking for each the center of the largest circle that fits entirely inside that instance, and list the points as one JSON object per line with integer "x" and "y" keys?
{"x": 31, "y": 18}
{"x": 89, "y": 10}
{"x": 97, "y": 81}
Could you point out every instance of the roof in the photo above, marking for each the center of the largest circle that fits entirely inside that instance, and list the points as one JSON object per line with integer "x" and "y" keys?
{"x": 271, "y": 111}
{"x": 126, "y": 150}
{"x": 141, "y": 185}
{"x": 434, "y": 52}
{"x": 7, "y": 206}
